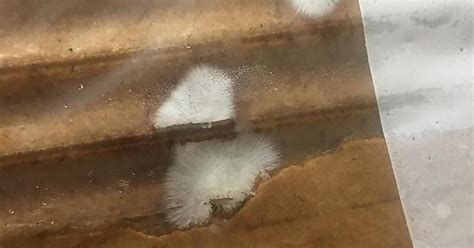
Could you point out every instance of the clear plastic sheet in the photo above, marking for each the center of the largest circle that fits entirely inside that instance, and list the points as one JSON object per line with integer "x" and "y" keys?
{"x": 420, "y": 55}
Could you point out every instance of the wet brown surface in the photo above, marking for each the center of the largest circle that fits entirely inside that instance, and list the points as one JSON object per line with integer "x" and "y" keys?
{"x": 343, "y": 199}
{"x": 295, "y": 67}
{"x": 96, "y": 189}
{"x": 81, "y": 165}
{"x": 346, "y": 198}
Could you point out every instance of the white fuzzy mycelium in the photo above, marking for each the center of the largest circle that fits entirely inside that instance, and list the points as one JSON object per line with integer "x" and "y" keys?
{"x": 315, "y": 8}
{"x": 215, "y": 174}
{"x": 205, "y": 94}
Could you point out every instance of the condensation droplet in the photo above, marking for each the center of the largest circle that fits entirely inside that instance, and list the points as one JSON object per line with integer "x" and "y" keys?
{"x": 81, "y": 86}
{"x": 11, "y": 211}
{"x": 443, "y": 210}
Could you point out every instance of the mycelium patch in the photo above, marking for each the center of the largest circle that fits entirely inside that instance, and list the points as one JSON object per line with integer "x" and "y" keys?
{"x": 205, "y": 94}
{"x": 215, "y": 175}
{"x": 315, "y": 8}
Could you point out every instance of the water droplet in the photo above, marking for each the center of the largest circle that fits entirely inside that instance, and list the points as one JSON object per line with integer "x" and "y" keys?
{"x": 44, "y": 204}
{"x": 443, "y": 210}
{"x": 188, "y": 46}
{"x": 37, "y": 186}
{"x": 122, "y": 183}
{"x": 11, "y": 211}
{"x": 52, "y": 222}
{"x": 81, "y": 86}
{"x": 276, "y": 89}
{"x": 66, "y": 106}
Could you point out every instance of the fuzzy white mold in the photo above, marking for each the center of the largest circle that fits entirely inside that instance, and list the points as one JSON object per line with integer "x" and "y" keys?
{"x": 204, "y": 95}
{"x": 215, "y": 175}
{"x": 315, "y": 8}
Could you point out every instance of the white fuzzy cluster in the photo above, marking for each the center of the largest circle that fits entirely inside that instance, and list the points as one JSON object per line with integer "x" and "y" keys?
{"x": 215, "y": 172}
{"x": 315, "y": 8}
{"x": 204, "y": 95}
{"x": 209, "y": 176}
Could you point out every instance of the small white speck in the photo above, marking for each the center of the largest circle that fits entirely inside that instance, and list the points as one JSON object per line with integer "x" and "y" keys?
{"x": 208, "y": 125}
{"x": 52, "y": 222}
{"x": 276, "y": 89}
{"x": 80, "y": 87}
{"x": 11, "y": 211}
{"x": 66, "y": 106}
{"x": 44, "y": 204}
